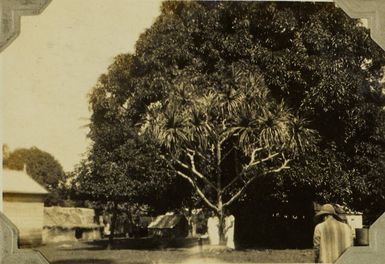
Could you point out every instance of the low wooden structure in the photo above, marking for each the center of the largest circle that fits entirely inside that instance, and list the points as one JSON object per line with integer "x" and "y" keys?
{"x": 70, "y": 224}
{"x": 169, "y": 226}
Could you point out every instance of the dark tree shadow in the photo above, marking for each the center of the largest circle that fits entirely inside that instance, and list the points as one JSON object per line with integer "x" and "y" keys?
{"x": 84, "y": 261}
{"x": 138, "y": 244}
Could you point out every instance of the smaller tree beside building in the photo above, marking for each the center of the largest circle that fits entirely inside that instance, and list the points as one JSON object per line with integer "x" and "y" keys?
{"x": 41, "y": 166}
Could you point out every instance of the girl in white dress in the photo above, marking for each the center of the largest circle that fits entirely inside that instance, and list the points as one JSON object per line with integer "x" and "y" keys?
{"x": 229, "y": 230}
{"x": 213, "y": 229}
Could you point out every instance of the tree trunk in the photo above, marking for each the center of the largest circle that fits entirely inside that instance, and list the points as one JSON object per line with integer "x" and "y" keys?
{"x": 220, "y": 198}
{"x": 221, "y": 216}
{"x": 222, "y": 228}
{"x": 113, "y": 225}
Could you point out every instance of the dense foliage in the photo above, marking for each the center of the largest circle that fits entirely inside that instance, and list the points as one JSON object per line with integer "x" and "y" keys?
{"x": 322, "y": 64}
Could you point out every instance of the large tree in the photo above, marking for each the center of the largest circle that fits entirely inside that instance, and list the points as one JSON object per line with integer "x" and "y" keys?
{"x": 312, "y": 56}
{"x": 322, "y": 63}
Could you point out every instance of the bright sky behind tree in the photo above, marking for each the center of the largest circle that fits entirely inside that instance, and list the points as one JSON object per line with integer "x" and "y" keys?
{"x": 47, "y": 72}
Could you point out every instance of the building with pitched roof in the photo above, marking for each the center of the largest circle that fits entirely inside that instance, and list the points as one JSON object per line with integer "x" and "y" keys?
{"x": 169, "y": 226}
{"x": 23, "y": 204}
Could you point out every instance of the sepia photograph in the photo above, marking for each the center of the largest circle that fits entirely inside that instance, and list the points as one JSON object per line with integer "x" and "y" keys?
{"x": 192, "y": 132}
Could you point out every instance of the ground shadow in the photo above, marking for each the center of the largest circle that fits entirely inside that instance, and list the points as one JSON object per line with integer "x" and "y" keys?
{"x": 84, "y": 261}
{"x": 138, "y": 244}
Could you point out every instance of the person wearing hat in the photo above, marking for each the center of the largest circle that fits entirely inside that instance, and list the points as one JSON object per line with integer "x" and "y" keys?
{"x": 331, "y": 236}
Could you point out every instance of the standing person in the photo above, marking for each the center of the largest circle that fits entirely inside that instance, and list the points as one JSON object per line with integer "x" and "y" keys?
{"x": 229, "y": 230}
{"x": 331, "y": 237}
{"x": 193, "y": 222}
{"x": 213, "y": 229}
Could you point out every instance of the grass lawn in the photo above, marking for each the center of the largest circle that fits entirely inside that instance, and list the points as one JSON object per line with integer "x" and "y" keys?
{"x": 85, "y": 253}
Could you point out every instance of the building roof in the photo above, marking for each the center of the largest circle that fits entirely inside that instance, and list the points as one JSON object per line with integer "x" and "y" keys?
{"x": 69, "y": 217}
{"x": 165, "y": 221}
{"x": 15, "y": 181}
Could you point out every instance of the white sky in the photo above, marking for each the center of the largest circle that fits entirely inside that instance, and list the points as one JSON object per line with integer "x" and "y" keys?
{"x": 47, "y": 72}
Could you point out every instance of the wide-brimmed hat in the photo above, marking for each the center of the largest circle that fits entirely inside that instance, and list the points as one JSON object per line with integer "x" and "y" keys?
{"x": 340, "y": 212}
{"x": 326, "y": 209}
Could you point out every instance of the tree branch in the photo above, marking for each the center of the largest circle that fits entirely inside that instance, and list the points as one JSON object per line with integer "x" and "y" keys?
{"x": 226, "y": 135}
{"x": 252, "y": 159}
{"x": 282, "y": 167}
{"x": 224, "y": 156}
{"x": 197, "y": 189}
{"x": 191, "y": 155}
{"x": 252, "y": 163}
{"x": 181, "y": 163}
{"x": 245, "y": 168}
{"x": 232, "y": 182}
{"x": 198, "y": 152}
{"x": 244, "y": 187}
{"x": 192, "y": 182}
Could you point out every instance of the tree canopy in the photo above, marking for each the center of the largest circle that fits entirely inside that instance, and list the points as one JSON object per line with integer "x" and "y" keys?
{"x": 40, "y": 165}
{"x": 131, "y": 173}
{"x": 312, "y": 57}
